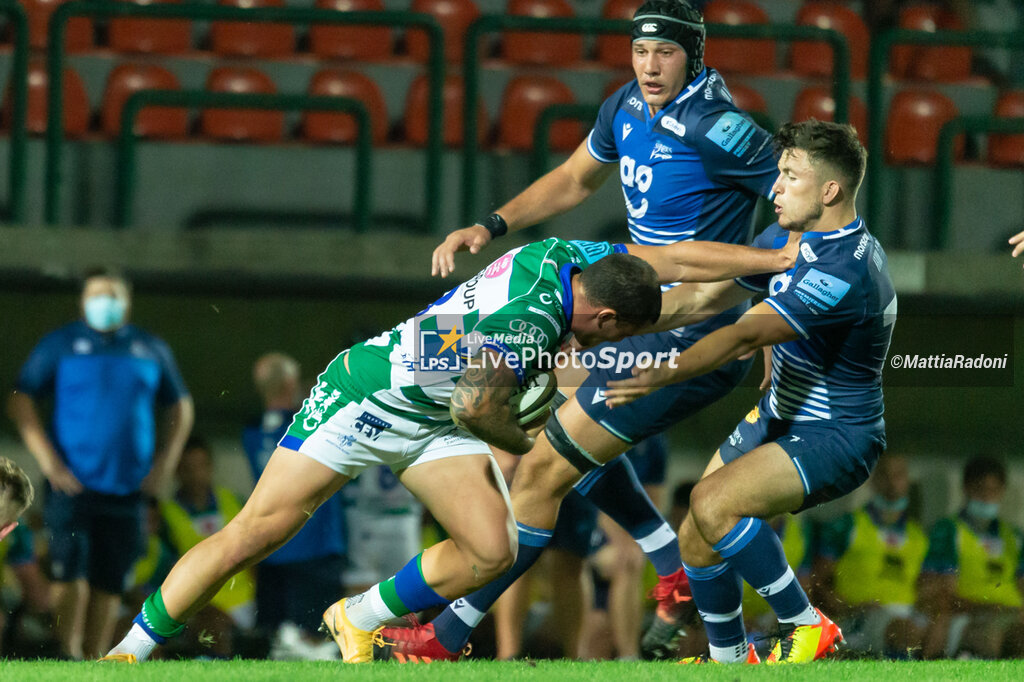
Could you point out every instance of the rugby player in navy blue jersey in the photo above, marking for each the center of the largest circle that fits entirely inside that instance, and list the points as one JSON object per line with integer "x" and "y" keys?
{"x": 817, "y": 433}
{"x": 691, "y": 167}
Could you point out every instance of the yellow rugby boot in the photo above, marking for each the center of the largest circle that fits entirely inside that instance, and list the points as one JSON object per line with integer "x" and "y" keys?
{"x": 118, "y": 658}
{"x": 806, "y": 643}
{"x": 356, "y": 645}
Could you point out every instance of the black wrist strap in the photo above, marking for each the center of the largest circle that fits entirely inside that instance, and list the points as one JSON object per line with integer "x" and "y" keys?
{"x": 495, "y": 225}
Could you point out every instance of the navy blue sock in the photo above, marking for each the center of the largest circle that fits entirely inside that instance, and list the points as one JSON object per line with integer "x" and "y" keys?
{"x": 615, "y": 489}
{"x": 754, "y": 550}
{"x": 456, "y": 623}
{"x": 718, "y": 595}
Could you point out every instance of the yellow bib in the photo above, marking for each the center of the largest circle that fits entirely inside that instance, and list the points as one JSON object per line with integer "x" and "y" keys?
{"x": 988, "y": 574}
{"x": 876, "y": 570}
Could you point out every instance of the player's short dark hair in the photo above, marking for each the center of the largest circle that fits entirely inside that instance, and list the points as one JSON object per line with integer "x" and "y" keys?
{"x": 106, "y": 272}
{"x": 16, "y": 492}
{"x": 832, "y": 144}
{"x": 982, "y": 467}
{"x": 627, "y": 285}
{"x": 687, "y": 31}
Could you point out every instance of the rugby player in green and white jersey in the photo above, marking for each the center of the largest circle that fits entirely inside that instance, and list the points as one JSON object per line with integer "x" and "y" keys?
{"x": 427, "y": 399}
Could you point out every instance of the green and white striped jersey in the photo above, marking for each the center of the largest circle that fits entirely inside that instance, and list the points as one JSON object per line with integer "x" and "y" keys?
{"x": 519, "y": 306}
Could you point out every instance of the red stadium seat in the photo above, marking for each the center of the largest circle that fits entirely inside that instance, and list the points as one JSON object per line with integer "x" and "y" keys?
{"x": 946, "y": 64}
{"x": 252, "y": 39}
{"x": 455, "y": 16}
{"x": 524, "y": 99}
{"x": 913, "y": 124}
{"x": 241, "y": 125}
{"x": 76, "y": 103}
{"x": 150, "y": 36}
{"x": 738, "y": 56}
{"x": 815, "y": 59}
{"x": 1008, "y": 150}
{"x": 817, "y": 102}
{"x": 747, "y": 98}
{"x": 338, "y": 41}
{"x": 614, "y": 50}
{"x": 542, "y": 49}
{"x": 616, "y": 82}
{"x": 163, "y": 123}
{"x": 78, "y": 31}
{"x": 339, "y": 128}
{"x": 417, "y": 110}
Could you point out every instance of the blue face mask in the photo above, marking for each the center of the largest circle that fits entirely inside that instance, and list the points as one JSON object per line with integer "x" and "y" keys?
{"x": 105, "y": 313}
{"x": 887, "y": 506}
{"x": 982, "y": 511}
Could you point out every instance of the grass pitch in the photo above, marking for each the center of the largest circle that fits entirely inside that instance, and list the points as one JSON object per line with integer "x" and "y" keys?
{"x": 494, "y": 671}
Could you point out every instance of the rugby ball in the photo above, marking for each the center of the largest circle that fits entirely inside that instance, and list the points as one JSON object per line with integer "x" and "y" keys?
{"x": 534, "y": 397}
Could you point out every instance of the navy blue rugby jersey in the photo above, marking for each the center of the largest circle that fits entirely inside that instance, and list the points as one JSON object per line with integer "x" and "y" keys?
{"x": 694, "y": 170}
{"x": 840, "y": 299}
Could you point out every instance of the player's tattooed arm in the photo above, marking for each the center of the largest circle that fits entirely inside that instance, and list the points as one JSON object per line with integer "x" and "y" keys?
{"x": 703, "y": 261}
{"x": 479, "y": 404}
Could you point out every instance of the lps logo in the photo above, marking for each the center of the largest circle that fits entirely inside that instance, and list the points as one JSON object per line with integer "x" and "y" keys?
{"x": 440, "y": 351}
{"x": 370, "y": 425}
{"x": 672, "y": 125}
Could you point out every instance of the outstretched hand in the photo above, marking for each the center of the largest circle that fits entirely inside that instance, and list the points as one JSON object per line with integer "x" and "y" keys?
{"x": 624, "y": 391}
{"x": 472, "y": 239}
{"x": 1018, "y": 241}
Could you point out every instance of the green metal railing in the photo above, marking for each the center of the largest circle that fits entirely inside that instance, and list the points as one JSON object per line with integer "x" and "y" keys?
{"x": 942, "y": 211}
{"x": 542, "y": 130}
{"x": 493, "y": 23}
{"x": 127, "y": 142}
{"x": 286, "y": 15}
{"x": 878, "y": 66}
{"x": 17, "y": 168}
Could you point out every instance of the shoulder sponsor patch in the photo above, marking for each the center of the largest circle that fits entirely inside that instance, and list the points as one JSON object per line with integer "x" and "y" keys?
{"x": 731, "y": 132}
{"x": 593, "y": 251}
{"x": 820, "y": 290}
{"x": 673, "y": 126}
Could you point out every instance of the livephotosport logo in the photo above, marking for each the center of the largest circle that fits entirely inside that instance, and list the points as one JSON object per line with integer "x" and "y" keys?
{"x": 441, "y": 350}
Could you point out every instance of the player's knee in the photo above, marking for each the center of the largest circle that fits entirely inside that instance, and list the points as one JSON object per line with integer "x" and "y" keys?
{"x": 706, "y": 511}
{"x": 543, "y": 472}
{"x": 491, "y": 555}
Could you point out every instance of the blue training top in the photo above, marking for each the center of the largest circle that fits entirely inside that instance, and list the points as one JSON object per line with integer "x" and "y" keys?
{"x": 105, "y": 387}
{"x": 839, "y": 297}
{"x": 324, "y": 532}
{"x": 693, "y": 171}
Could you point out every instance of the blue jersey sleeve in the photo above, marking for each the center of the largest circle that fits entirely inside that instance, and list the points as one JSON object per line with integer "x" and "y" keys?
{"x": 736, "y": 152}
{"x": 601, "y": 140}
{"x": 772, "y": 237}
{"x": 818, "y": 296}
{"x": 172, "y": 386}
{"x": 38, "y": 372}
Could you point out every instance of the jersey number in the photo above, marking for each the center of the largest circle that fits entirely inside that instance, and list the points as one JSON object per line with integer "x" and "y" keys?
{"x": 640, "y": 177}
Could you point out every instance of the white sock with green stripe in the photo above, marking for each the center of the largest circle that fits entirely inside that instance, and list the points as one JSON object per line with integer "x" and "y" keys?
{"x": 405, "y": 592}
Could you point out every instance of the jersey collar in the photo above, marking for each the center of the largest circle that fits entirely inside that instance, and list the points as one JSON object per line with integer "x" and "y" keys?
{"x": 856, "y": 226}
{"x": 565, "y": 277}
{"x": 693, "y": 87}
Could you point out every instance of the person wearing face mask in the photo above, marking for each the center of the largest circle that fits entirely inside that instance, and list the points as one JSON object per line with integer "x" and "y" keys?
{"x": 105, "y": 382}
{"x": 973, "y": 571}
{"x": 868, "y": 566}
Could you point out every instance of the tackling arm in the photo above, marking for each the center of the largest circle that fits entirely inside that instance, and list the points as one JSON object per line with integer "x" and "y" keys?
{"x": 760, "y": 326}
{"x": 480, "y": 405}
{"x": 714, "y": 261}
{"x": 556, "y": 192}
{"x": 692, "y": 303}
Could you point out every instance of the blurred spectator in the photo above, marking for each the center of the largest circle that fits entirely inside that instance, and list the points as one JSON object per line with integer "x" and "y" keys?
{"x": 16, "y": 494}
{"x": 198, "y": 510}
{"x": 105, "y": 378}
{"x": 25, "y": 606}
{"x": 971, "y": 585}
{"x": 294, "y": 584}
{"x": 868, "y": 567}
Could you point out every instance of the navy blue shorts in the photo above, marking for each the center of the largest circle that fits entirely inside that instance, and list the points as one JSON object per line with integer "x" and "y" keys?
{"x": 94, "y": 536}
{"x": 576, "y": 530}
{"x": 649, "y": 459}
{"x": 656, "y": 412}
{"x": 832, "y": 458}
{"x": 297, "y": 592}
